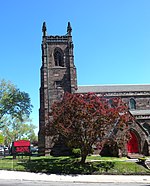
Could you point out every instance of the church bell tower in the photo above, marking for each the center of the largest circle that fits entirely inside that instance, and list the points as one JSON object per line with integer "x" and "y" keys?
{"x": 58, "y": 75}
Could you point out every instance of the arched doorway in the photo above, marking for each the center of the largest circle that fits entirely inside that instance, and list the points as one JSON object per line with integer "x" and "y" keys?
{"x": 133, "y": 145}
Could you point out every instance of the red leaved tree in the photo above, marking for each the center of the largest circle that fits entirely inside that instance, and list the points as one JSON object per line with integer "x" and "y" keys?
{"x": 87, "y": 120}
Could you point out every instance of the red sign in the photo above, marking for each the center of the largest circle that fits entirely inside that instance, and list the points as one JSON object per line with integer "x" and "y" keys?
{"x": 22, "y": 143}
{"x": 21, "y": 146}
{"x": 22, "y": 150}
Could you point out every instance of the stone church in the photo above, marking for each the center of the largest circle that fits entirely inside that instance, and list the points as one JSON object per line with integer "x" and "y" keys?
{"x": 58, "y": 75}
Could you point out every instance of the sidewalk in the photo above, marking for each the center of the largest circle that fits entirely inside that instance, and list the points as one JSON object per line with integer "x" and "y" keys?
{"x": 16, "y": 175}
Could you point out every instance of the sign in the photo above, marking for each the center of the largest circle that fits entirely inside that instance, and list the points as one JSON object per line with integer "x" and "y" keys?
{"x": 21, "y": 147}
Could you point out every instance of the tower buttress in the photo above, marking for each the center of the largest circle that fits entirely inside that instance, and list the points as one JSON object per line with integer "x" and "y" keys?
{"x": 58, "y": 75}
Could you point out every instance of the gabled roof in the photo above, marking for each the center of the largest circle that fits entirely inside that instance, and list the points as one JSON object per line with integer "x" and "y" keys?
{"x": 140, "y": 112}
{"x": 113, "y": 88}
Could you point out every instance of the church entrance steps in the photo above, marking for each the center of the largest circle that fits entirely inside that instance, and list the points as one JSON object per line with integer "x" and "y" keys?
{"x": 134, "y": 155}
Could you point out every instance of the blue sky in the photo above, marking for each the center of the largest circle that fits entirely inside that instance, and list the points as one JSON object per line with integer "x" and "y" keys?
{"x": 111, "y": 39}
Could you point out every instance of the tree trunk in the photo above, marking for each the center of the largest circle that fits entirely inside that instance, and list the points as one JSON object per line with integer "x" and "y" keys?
{"x": 84, "y": 154}
{"x": 83, "y": 158}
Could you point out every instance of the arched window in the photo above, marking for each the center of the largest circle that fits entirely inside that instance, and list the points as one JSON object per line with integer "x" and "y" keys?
{"x": 132, "y": 104}
{"x": 58, "y": 57}
{"x": 111, "y": 103}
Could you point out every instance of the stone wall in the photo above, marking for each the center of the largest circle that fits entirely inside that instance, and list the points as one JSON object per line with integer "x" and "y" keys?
{"x": 58, "y": 75}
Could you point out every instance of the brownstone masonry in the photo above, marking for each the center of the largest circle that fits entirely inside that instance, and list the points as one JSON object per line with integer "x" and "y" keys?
{"x": 58, "y": 75}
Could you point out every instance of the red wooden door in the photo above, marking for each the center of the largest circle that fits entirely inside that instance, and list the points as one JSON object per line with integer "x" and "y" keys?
{"x": 133, "y": 144}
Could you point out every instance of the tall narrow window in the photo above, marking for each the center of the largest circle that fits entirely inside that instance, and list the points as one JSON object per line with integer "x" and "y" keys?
{"x": 132, "y": 104}
{"x": 58, "y": 84}
{"x": 111, "y": 103}
{"x": 58, "y": 57}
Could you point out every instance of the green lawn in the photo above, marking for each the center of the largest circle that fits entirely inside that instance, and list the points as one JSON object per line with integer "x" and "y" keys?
{"x": 70, "y": 165}
{"x": 99, "y": 158}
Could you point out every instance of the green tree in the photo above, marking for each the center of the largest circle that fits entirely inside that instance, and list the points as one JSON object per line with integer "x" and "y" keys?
{"x": 16, "y": 129}
{"x": 1, "y": 139}
{"x": 13, "y": 102}
{"x": 86, "y": 120}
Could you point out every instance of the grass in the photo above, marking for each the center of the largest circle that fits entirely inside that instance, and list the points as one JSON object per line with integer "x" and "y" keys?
{"x": 70, "y": 165}
{"x": 99, "y": 158}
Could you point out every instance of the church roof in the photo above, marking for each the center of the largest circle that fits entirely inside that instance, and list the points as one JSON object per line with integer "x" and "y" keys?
{"x": 140, "y": 112}
{"x": 113, "y": 88}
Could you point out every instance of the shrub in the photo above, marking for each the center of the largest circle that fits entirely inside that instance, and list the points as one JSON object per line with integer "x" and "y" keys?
{"x": 76, "y": 152}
